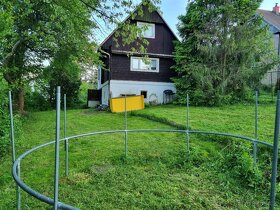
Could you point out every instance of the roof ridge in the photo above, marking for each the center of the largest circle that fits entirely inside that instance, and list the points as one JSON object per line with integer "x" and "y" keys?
{"x": 129, "y": 15}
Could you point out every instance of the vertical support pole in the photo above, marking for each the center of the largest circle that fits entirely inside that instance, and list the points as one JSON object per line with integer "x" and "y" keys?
{"x": 66, "y": 140}
{"x": 56, "y": 176}
{"x": 12, "y": 127}
{"x": 256, "y": 130}
{"x": 14, "y": 148}
{"x": 18, "y": 189}
{"x": 188, "y": 128}
{"x": 275, "y": 154}
{"x": 125, "y": 125}
{"x": 271, "y": 85}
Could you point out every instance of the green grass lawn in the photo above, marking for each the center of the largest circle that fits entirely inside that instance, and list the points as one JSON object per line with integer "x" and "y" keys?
{"x": 157, "y": 173}
{"x": 235, "y": 119}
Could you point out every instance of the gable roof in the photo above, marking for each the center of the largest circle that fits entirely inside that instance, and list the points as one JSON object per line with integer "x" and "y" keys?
{"x": 129, "y": 16}
{"x": 271, "y": 18}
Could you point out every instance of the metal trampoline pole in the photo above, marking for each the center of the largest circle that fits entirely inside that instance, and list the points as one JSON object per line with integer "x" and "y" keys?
{"x": 14, "y": 148}
{"x": 125, "y": 125}
{"x": 188, "y": 128}
{"x": 56, "y": 176}
{"x": 66, "y": 140}
{"x": 256, "y": 130}
{"x": 275, "y": 154}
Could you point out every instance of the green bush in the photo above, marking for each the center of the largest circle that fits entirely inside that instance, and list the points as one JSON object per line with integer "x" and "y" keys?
{"x": 239, "y": 163}
{"x": 83, "y": 93}
{"x": 36, "y": 101}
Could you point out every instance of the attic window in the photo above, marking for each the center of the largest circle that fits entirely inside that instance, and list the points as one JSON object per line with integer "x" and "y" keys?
{"x": 145, "y": 64}
{"x": 148, "y": 29}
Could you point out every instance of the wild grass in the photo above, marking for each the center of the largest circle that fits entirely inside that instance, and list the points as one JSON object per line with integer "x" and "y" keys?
{"x": 157, "y": 174}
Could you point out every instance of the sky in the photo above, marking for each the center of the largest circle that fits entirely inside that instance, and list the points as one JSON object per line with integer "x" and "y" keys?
{"x": 171, "y": 9}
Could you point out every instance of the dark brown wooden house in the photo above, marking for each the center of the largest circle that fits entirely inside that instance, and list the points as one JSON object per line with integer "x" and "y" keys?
{"x": 129, "y": 73}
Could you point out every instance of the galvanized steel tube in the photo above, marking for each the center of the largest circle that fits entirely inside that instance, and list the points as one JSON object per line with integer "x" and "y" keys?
{"x": 14, "y": 148}
{"x": 66, "y": 140}
{"x": 56, "y": 176}
{"x": 256, "y": 130}
{"x": 12, "y": 127}
{"x": 275, "y": 154}
{"x": 188, "y": 127}
{"x": 125, "y": 125}
{"x": 65, "y": 206}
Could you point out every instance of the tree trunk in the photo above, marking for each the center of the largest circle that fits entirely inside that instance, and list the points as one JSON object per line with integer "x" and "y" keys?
{"x": 21, "y": 95}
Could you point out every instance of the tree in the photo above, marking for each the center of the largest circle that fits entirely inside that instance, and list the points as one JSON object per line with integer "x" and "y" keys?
{"x": 225, "y": 51}
{"x": 64, "y": 71}
{"x": 37, "y": 31}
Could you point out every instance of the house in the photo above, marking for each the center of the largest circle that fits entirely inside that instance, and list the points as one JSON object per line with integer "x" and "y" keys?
{"x": 272, "y": 18}
{"x": 128, "y": 73}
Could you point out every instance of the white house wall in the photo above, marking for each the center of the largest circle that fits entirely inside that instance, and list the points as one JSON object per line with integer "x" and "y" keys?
{"x": 154, "y": 89}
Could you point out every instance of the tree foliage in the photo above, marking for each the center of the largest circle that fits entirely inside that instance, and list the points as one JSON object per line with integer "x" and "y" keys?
{"x": 36, "y": 33}
{"x": 64, "y": 72}
{"x": 225, "y": 50}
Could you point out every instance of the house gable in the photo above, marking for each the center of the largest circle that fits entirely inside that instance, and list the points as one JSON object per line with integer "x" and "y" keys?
{"x": 272, "y": 19}
{"x": 161, "y": 44}
{"x": 129, "y": 73}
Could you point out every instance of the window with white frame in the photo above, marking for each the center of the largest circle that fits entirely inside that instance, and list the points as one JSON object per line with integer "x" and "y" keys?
{"x": 144, "y": 64}
{"x": 148, "y": 29}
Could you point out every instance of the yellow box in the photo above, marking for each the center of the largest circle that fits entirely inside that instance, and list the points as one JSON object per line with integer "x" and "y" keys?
{"x": 132, "y": 103}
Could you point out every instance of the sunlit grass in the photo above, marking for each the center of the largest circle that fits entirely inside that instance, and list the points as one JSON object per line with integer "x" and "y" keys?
{"x": 157, "y": 174}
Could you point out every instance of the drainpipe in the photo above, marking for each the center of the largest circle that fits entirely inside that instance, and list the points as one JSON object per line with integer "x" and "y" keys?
{"x": 109, "y": 57}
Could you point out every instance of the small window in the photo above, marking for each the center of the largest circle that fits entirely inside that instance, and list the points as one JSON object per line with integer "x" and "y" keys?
{"x": 148, "y": 29}
{"x": 145, "y": 64}
{"x": 144, "y": 93}
{"x": 153, "y": 64}
{"x": 135, "y": 63}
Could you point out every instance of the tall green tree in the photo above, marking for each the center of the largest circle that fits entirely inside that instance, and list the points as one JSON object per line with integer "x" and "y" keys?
{"x": 35, "y": 32}
{"x": 225, "y": 50}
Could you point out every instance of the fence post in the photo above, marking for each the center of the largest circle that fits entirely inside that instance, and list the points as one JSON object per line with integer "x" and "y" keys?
{"x": 66, "y": 140}
{"x": 56, "y": 176}
{"x": 256, "y": 131}
{"x": 275, "y": 154}
{"x": 14, "y": 148}
{"x": 188, "y": 128}
{"x": 125, "y": 125}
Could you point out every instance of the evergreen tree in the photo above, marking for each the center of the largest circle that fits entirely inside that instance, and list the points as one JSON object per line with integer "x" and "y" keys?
{"x": 225, "y": 50}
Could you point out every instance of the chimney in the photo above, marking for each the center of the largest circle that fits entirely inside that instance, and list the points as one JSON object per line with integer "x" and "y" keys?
{"x": 276, "y": 9}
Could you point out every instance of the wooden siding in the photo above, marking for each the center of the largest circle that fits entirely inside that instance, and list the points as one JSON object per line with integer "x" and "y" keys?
{"x": 105, "y": 69}
{"x": 164, "y": 37}
{"x": 121, "y": 70}
{"x": 162, "y": 44}
{"x": 150, "y": 17}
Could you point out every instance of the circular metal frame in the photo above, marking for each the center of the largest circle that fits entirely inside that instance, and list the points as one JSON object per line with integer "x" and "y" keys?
{"x": 62, "y": 205}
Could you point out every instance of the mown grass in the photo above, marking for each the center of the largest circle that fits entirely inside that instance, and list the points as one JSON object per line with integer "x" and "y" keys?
{"x": 157, "y": 174}
{"x": 234, "y": 119}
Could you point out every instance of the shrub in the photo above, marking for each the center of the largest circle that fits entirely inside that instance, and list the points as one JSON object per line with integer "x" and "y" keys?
{"x": 238, "y": 161}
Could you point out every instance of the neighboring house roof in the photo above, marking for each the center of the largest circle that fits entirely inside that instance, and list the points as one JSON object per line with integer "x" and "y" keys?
{"x": 129, "y": 16}
{"x": 271, "y": 18}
